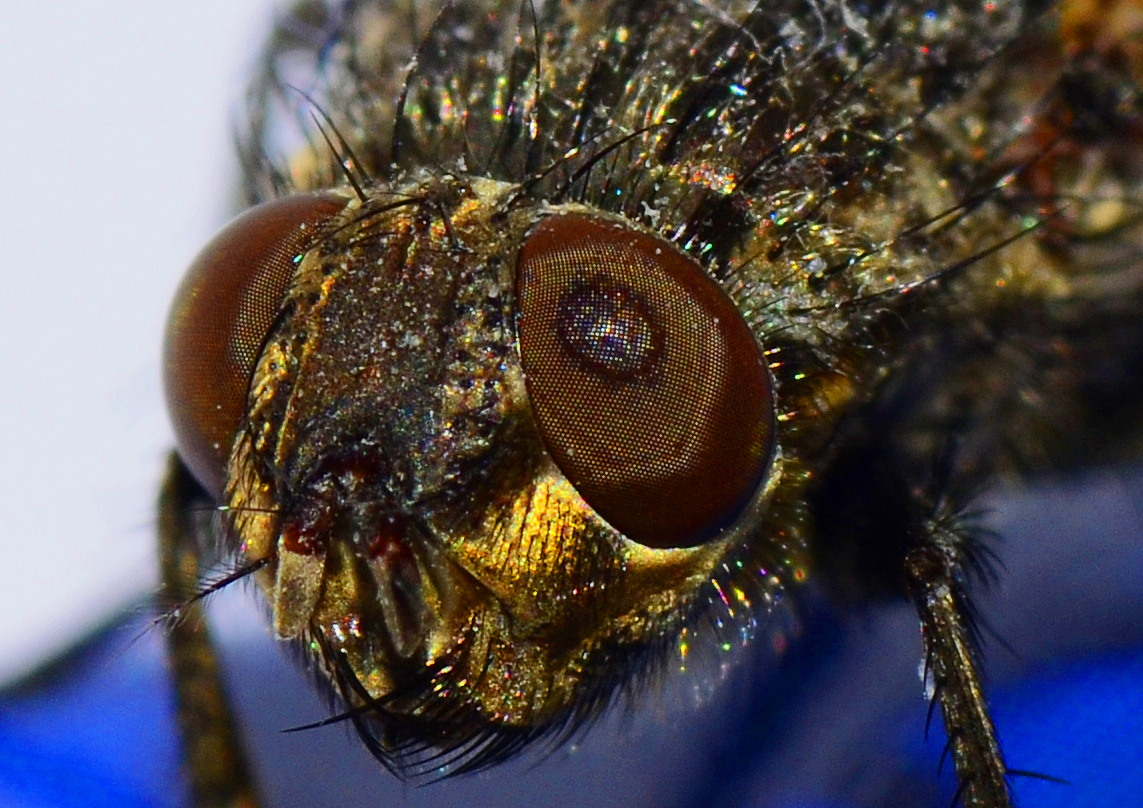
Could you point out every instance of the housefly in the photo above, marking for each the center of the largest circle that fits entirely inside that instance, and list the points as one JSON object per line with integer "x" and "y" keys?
{"x": 564, "y": 344}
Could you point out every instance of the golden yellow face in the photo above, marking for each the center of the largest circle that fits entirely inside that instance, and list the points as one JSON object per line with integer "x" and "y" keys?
{"x": 594, "y": 334}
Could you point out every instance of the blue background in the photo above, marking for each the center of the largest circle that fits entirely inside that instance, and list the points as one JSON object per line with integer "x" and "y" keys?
{"x": 836, "y": 719}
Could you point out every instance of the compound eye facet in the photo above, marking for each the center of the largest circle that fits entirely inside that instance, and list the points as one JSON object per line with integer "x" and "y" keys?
{"x": 649, "y": 389}
{"x": 224, "y": 309}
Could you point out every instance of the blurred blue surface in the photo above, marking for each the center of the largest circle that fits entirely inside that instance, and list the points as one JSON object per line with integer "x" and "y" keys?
{"x": 1082, "y": 722}
{"x": 98, "y": 737}
{"x": 836, "y": 722}
{"x": 103, "y": 739}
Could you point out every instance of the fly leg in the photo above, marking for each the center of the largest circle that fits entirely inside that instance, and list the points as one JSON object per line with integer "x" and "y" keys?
{"x": 213, "y": 757}
{"x": 895, "y": 524}
{"x": 933, "y": 573}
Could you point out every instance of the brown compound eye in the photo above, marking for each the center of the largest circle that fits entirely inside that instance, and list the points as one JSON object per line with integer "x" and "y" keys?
{"x": 224, "y": 309}
{"x": 649, "y": 389}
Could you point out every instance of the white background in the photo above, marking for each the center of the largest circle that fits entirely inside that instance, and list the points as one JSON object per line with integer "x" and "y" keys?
{"x": 115, "y": 165}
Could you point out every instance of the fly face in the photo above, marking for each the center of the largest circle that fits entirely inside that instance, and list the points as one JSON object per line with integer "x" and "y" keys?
{"x": 484, "y": 450}
{"x": 601, "y": 331}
